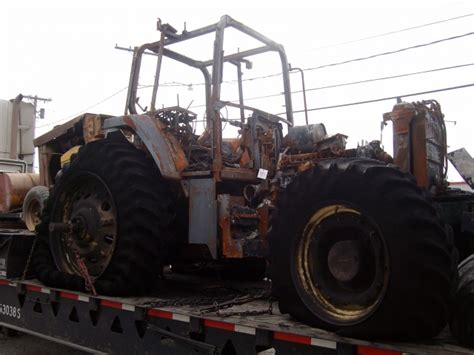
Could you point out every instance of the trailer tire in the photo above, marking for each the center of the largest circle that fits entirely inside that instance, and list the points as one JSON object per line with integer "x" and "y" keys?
{"x": 384, "y": 265}
{"x": 462, "y": 322}
{"x": 143, "y": 206}
{"x": 33, "y": 206}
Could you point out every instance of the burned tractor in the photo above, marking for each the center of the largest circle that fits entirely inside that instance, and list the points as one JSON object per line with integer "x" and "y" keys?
{"x": 351, "y": 242}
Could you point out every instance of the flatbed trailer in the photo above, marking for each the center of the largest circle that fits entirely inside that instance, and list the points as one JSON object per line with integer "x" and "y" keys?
{"x": 182, "y": 320}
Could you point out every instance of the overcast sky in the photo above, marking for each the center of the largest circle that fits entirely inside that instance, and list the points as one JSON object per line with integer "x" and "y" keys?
{"x": 65, "y": 51}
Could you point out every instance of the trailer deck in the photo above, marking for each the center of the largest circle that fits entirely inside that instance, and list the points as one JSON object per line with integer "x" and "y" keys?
{"x": 192, "y": 314}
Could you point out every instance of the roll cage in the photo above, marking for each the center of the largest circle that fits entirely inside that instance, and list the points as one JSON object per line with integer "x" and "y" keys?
{"x": 213, "y": 79}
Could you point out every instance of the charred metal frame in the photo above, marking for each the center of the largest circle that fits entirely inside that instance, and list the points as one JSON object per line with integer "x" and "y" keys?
{"x": 212, "y": 82}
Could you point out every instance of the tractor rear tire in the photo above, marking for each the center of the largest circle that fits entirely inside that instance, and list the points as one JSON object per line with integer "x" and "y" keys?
{"x": 138, "y": 211}
{"x": 356, "y": 248}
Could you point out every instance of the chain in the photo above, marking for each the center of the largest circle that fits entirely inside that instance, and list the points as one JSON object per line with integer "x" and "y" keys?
{"x": 28, "y": 260}
{"x": 88, "y": 283}
{"x": 219, "y": 307}
{"x": 269, "y": 311}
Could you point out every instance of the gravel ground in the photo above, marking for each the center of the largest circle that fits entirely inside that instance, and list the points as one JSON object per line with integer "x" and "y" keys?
{"x": 25, "y": 344}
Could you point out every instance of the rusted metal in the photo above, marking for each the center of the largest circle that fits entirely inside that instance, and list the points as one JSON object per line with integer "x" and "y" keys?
{"x": 92, "y": 127}
{"x": 13, "y": 189}
{"x": 464, "y": 164}
{"x": 303, "y": 139}
{"x": 243, "y": 229}
{"x": 238, "y": 174}
{"x": 296, "y": 160}
{"x": 230, "y": 249}
{"x": 158, "y": 64}
{"x": 370, "y": 150}
{"x": 69, "y": 127}
{"x": 419, "y": 141}
{"x": 83, "y": 227}
{"x": 213, "y": 83}
{"x": 162, "y": 145}
{"x": 44, "y": 157}
{"x": 303, "y": 87}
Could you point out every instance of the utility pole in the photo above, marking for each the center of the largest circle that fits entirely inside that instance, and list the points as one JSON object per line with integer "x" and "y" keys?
{"x": 35, "y": 100}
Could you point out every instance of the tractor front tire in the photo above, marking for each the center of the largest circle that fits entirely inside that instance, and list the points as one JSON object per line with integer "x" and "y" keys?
{"x": 120, "y": 209}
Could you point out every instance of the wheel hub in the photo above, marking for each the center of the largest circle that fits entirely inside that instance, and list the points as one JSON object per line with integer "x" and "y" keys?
{"x": 344, "y": 260}
{"x": 341, "y": 265}
{"x": 85, "y": 220}
{"x": 87, "y": 207}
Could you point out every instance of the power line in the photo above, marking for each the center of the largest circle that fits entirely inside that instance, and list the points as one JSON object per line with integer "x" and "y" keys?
{"x": 388, "y": 77}
{"x": 358, "y": 82}
{"x": 357, "y": 59}
{"x": 84, "y": 110}
{"x": 382, "y": 99}
{"x": 391, "y": 52}
{"x": 278, "y": 94}
{"x": 417, "y": 46}
{"x": 173, "y": 83}
{"x": 390, "y": 33}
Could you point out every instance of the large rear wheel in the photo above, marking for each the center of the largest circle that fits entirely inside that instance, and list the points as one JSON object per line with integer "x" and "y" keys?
{"x": 109, "y": 211}
{"x": 364, "y": 253}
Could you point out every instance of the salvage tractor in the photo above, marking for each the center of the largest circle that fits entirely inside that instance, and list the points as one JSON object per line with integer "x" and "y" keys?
{"x": 350, "y": 242}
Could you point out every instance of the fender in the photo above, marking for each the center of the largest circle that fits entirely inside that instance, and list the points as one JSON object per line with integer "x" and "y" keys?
{"x": 165, "y": 150}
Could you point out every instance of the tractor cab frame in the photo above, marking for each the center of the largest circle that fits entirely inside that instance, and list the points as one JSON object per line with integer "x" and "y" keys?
{"x": 212, "y": 71}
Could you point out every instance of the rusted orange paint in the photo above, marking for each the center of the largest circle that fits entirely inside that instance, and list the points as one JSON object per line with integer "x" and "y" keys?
{"x": 92, "y": 127}
{"x": 129, "y": 122}
{"x": 13, "y": 189}
{"x": 411, "y": 123}
{"x": 229, "y": 246}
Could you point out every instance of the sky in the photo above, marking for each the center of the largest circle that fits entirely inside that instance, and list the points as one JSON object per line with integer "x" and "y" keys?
{"x": 65, "y": 51}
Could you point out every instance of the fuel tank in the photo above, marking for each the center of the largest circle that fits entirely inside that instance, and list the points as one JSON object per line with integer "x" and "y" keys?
{"x": 13, "y": 189}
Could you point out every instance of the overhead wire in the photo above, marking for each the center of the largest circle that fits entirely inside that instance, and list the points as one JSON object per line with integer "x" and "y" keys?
{"x": 382, "y": 99}
{"x": 357, "y": 82}
{"x": 84, "y": 110}
{"x": 293, "y": 92}
{"x": 359, "y": 59}
{"x": 98, "y": 103}
{"x": 421, "y": 45}
{"x": 304, "y": 69}
{"x": 391, "y": 32}
{"x": 400, "y": 50}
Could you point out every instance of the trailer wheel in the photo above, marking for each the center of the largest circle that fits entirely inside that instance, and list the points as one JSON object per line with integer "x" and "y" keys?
{"x": 112, "y": 209}
{"x": 33, "y": 205}
{"x": 462, "y": 322}
{"x": 356, "y": 248}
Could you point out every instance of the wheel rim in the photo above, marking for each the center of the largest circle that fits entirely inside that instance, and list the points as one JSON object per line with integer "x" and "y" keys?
{"x": 32, "y": 215}
{"x": 85, "y": 204}
{"x": 341, "y": 265}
